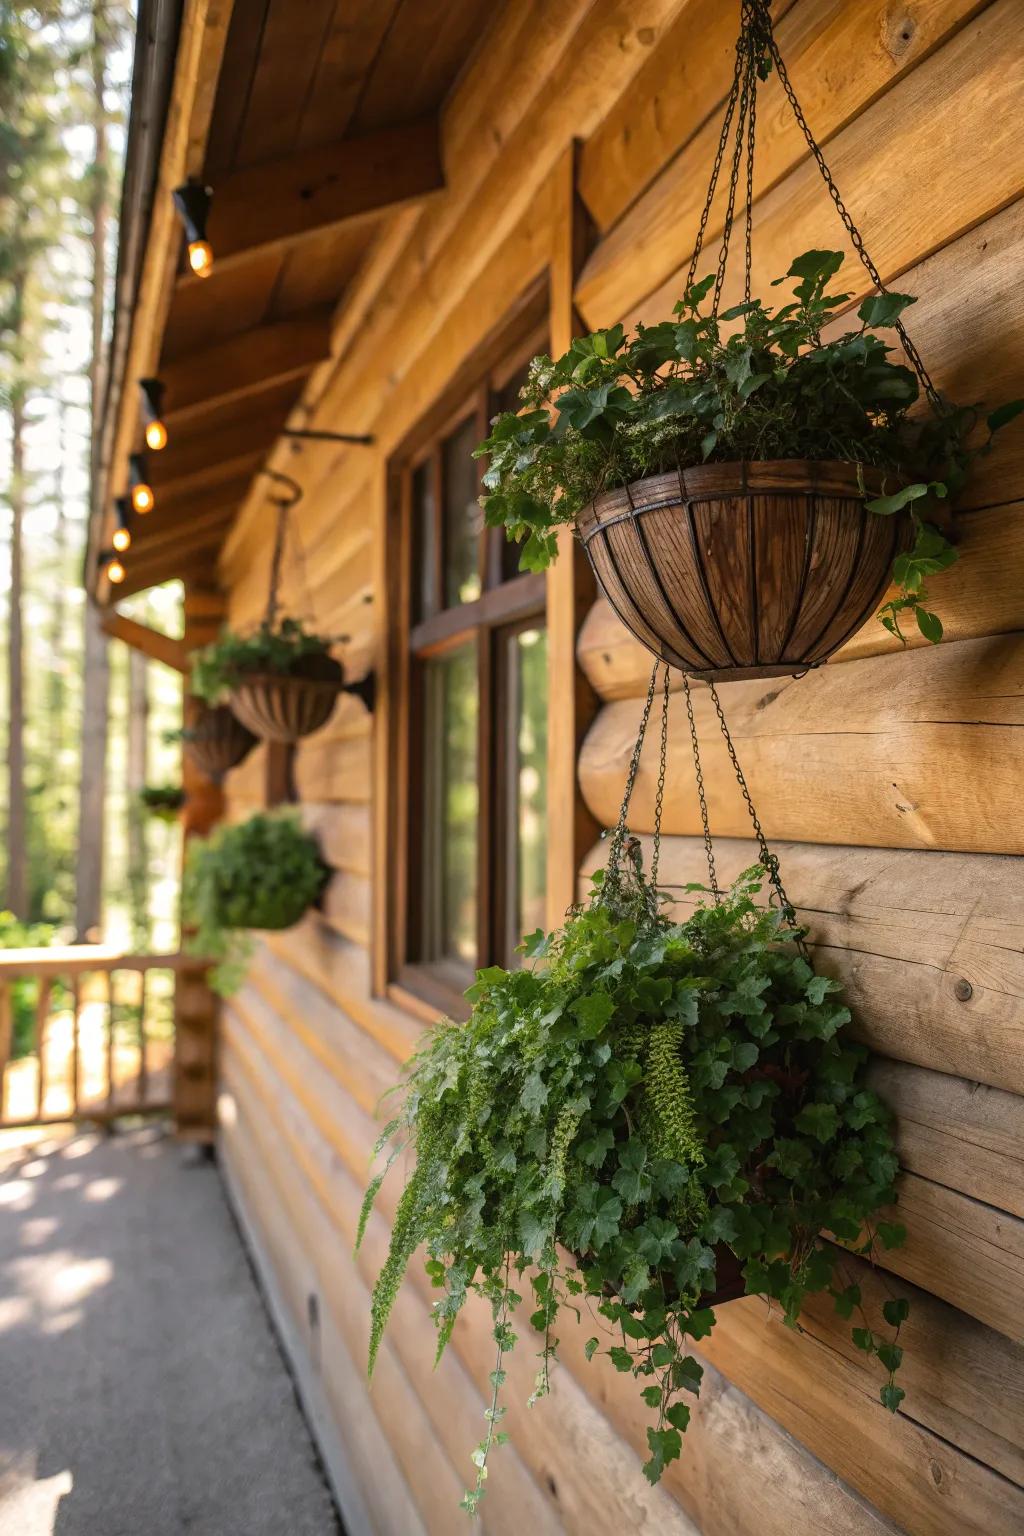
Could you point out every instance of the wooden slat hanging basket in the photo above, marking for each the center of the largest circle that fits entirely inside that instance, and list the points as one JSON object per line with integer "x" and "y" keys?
{"x": 735, "y": 571}
{"x": 281, "y": 706}
{"x": 217, "y": 740}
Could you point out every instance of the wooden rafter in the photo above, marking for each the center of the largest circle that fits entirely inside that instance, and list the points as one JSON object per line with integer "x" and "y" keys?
{"x": 284, "y": 201}
{"x": 149, "y": 641}
{"x": 245, "y": 364}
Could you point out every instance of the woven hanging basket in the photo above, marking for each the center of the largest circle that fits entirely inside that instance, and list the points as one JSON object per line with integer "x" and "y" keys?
{"x": 217, "y": 740}
{"x": 283, "y": 706}
{"x": 735, "y": 571}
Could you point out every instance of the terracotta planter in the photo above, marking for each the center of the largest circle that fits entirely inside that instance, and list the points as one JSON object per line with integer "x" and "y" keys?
{"x": 219, "y": 742}
{"x": 743, "y": 570}
{"x": 282, "y": 706}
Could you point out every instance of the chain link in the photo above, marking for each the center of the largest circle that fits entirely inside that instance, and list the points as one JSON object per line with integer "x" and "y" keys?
{"x": 856, "y": 238}
{"x": 283, "y": 508}
{"x": 659, "y": 798}
{"x": 709, "y": 847}
{"x": 769, "y": 860}
{"x": 613, "y": 874}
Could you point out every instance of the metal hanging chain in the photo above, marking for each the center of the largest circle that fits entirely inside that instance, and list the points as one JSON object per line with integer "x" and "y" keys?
{"x": 659, "y": 798}
{"x": 856, "y": 238}
{"x": 709, "y": 847}
{"x": 769, "y": 860}
{"x": 283, "y": 508}
{"x": 613, "y": 874}
{"x": 757, "y": 52}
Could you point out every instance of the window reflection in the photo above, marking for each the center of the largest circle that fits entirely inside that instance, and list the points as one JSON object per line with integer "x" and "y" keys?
{"x": 451, "y": 804}
{"x": 528, "y": 740}
{"x": 462, "y": 516}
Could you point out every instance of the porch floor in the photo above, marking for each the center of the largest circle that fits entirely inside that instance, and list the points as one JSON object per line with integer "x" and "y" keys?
{"x": 144, "y": 1393}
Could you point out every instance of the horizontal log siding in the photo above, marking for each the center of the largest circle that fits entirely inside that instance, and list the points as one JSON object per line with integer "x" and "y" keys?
{"x": 893, "y": 779}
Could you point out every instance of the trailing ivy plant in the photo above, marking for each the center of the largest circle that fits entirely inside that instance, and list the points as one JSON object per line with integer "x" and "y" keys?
{"x": 284, "y": 647}
{"x": 260, "y": 873}
{"x": 644, "y": 1107}
{"x": 753, "y": 383}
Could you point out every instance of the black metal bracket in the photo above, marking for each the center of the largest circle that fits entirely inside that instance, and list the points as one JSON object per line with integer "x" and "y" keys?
{"x": 365, "y": 689}
{"x": 310, "y": 434}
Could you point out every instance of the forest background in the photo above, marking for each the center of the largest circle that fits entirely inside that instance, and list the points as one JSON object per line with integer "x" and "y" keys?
{"x": 83, "y": 721}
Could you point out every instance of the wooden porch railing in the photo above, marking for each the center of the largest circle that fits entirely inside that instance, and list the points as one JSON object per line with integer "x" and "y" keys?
{"x": 87, "y": 1031}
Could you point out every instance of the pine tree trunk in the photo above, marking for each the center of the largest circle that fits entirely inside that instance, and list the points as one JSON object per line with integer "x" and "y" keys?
{"x": 58, "y": 610}
{"x": 16, "y": 896}
{"x": 95, "y": 697}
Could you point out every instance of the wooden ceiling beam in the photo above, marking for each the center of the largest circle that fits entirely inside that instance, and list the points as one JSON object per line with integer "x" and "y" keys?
{"x": 244, "y": 365}
{"x": 141, "y": 637}
{"x": 190, "y": 453}
{"x": 284, "y": 201}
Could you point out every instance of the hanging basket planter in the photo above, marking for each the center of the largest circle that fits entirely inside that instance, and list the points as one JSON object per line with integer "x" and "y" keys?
{"x": 284, "y": 706}
{"x": 216, "y": 741}
{"x": 733, "y": 571}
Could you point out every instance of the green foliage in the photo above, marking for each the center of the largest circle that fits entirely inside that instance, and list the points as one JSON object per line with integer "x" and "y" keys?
{"x": 164, "y": 800}
{"x": 754, "y": 383}
{"x": 218, "y": 667}
{"x": 261, "y": 873}
{"x": 645, "y": 1094}
{"x": 24, "y": 993}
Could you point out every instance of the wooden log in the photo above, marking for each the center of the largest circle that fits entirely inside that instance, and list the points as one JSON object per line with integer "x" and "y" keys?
{"x": 916, "y": 1478}
{"x": 244, "y": 365}
{"x": 928, "y": 946}
{"x": 337, "y": 769}
{"x": 346, "y": 905}
{"x": 970, "y": 1254}
{"x": 965, "y": 1135}
{"x": 976, "y": 598}
{"x": 906, "y": 751}
{"x": 365, "y": 1069}
{"x": 381, "y": 1479}
{"x": 342, "y": 971}
{"x": 838, "y": 61}
{"x": 883, "y": 162}
{"x": 343, "y": 833}
{"x": 281, "y": 202}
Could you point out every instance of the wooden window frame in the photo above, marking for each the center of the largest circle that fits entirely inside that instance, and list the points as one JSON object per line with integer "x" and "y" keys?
{"x": 502, "y": 608}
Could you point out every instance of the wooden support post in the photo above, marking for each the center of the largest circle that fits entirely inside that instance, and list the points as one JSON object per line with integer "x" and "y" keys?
{"x": 194, "y": 1093}
{"x": 6, "y": 1027}
{"x": 570, "y": 584}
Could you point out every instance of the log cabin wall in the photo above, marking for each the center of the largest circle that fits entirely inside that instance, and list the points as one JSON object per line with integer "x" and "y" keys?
{"x": 576, "y": 146}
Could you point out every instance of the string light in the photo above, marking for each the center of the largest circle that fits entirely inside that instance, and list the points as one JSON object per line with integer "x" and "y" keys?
{"x": 192, "y": 201}
{"x": 114, "y": 567}
{"x": 142, "y": 496}
{"x": 152, "y": 392}
{"x": 122, "y": 535}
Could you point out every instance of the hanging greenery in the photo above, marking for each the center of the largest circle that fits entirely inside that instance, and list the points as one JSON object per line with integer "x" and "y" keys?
{"x": 284, "y": 647}
{"x": 163, "y": 800}
{"x": 260, "y": 873}
{"x": 646, "y": 1110}
{"x": 753, "y": 383}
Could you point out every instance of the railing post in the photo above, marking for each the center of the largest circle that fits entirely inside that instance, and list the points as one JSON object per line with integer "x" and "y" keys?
{"x": 195, "y": 1004}
{"x": 6, "y": 1026}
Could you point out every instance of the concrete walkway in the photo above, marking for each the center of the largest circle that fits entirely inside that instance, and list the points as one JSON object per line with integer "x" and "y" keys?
{"x": 142, "y": 1392}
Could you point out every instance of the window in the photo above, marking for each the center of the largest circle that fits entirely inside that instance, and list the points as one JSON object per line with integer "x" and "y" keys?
{"x": 472, "y": 828}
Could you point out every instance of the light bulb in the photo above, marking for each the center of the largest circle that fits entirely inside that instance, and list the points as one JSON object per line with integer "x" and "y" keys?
{"x": 156, "y": 436}
{"x": 121, "y": 539}
{"x": 115, "y": 572}
{"x": 142, "y": 498}
{"x": 200, "y": 257}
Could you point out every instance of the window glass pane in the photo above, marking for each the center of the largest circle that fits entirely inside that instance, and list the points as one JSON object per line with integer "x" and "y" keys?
{"x": 527, "y": 852}
{"x": 451, "y": 800}
{"x": 507, "y": 399}
{"x": 463, "y": 518}
{"x": 424, "y": 536}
